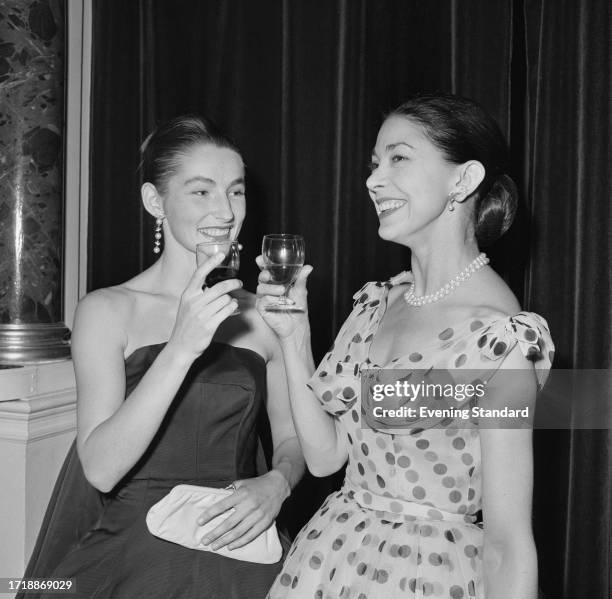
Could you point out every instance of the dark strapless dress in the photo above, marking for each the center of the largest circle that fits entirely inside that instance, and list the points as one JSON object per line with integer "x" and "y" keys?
{"x": 209, "y": 437}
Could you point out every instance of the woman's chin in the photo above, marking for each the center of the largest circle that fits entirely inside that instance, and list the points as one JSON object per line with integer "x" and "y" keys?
{"x": 394, "y": 236}
{"x": 388, "y": 233}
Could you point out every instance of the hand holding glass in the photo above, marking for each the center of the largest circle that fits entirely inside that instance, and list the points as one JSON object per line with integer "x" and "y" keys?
{"x": 283, "y": 256}
{"x": 227, "y": 269}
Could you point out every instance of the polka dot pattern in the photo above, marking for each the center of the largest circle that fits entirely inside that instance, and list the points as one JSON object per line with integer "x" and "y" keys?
{"x": 403, "y": 461}
{"x": 403, "y": 524}
{"x": 475, "y": 325}
{"x": 446, "y": 334}
{"x": 419, "y": 492}
{"x": 376, "y": 557}
{"x": 461, "y": 360}
{"x": 440, "y": 468}
{"x": 411, "y": 476}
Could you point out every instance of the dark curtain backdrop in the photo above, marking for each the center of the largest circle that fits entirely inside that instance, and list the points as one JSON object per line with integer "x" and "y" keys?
{"x": 302, "y": 87}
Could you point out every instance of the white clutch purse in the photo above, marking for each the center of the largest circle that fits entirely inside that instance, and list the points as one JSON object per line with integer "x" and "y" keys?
{"x": 174, "y": 518}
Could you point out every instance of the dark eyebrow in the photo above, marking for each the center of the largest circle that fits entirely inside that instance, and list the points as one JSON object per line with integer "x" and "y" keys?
{"x": 199, "y": 179}
{"x": 390, "y": 147}
{"x": 399, "y": 143}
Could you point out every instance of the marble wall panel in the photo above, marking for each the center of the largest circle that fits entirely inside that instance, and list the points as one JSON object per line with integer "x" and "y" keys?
{"x": 31, "y": 160}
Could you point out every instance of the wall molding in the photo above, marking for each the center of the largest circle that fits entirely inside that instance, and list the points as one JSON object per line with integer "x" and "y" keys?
{"x": 40, "y": 418}
{"x": 27, "y": 382}
{"x": 37, "y": 402}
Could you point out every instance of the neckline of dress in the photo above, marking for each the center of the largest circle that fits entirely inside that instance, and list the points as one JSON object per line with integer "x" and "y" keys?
{"x": 162, "y": 343}
{"x": 381, "y": 311}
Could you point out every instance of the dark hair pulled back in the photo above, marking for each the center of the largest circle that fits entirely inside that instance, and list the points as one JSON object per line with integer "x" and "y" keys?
{"x": 462, "y": 130}
{"x": 162, "y": 149}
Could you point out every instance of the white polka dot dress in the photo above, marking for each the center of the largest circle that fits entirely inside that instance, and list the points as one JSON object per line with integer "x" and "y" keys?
{"x": 404, "y": 525}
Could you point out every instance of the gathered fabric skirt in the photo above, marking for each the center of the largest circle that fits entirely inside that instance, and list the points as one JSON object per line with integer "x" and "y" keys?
{"x": 348, "y": 551}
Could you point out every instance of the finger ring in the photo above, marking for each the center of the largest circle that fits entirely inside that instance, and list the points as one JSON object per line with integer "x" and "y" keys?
{"x": 231, "y": 487}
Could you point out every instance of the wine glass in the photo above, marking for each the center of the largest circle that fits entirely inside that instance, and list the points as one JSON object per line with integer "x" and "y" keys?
{"x": 227, "y": 269}
{"x": 283, "y": 257}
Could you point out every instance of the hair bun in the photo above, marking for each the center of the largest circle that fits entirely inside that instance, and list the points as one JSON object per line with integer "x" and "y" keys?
{"x": 495, "y": 211}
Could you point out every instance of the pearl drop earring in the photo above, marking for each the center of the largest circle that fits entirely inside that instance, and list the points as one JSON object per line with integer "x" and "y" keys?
{"x": 158, "y": 234}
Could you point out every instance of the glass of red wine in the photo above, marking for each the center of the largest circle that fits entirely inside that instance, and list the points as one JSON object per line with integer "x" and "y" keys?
{"x": 227, "y": 269}
{"x": 283, "y": 256}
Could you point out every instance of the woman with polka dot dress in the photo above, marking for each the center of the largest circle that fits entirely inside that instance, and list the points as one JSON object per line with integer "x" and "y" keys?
{"x": 406, "y": 522}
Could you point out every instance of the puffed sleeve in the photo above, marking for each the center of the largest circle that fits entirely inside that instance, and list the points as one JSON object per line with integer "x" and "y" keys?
{"x": 336, "y": 381}
{"x": 527, "y": 330}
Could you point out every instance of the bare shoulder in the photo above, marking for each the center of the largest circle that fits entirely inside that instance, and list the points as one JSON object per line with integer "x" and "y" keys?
{"x": 119, "y": 302}
{"x": 485, "y": 297}
{"x": 112, "y": 303}
{"x": 103, "y": 314}
{"x": 493, "y": 296}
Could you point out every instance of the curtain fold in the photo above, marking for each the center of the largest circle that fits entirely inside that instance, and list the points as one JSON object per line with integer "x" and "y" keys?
{"x": 569, "y": 62}
{"x": 302, "y": 87}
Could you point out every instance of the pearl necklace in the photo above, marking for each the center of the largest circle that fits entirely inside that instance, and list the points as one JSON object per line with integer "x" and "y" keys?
{"x": 420, "y": 300}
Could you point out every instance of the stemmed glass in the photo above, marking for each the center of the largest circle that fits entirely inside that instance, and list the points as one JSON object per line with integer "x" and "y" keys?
{"x": 283, "y": 256}
{"x": 228, "y": 269}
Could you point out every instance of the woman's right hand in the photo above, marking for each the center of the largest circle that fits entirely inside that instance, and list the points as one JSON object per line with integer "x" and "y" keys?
{"x": 284, "y": 324}
{"x": 201, "y": 312}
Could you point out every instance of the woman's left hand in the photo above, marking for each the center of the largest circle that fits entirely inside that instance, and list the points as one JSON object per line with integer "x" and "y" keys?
{"x": 256, "y": 503}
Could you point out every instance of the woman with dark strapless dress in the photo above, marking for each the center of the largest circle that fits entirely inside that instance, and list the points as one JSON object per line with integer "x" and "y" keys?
{"x": 208, "y": 438}
{"x": 183, "y": 411}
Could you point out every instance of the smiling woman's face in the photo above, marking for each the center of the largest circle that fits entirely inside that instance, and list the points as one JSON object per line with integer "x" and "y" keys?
{"x": 205, "y": 197}
{"x": 410, "y": 180}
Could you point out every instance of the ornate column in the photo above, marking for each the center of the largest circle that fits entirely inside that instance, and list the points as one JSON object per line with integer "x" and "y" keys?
{"x": 31, "y": 181}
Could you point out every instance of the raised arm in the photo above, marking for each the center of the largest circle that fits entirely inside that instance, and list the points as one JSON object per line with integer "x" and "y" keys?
{"x": 287, "y": 459}
{"x": 324, "y": 449}
{"x": 510, "y": 559}
{"x": 113, "y": 431}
